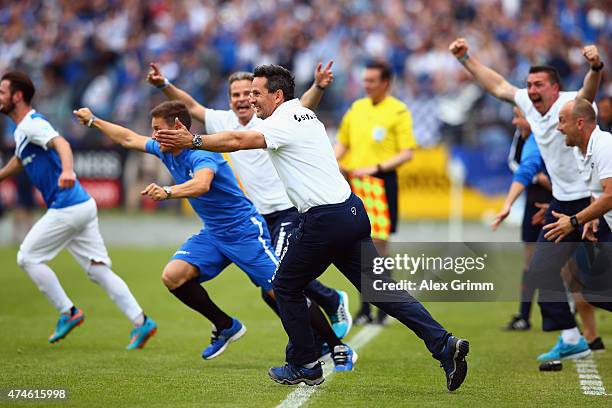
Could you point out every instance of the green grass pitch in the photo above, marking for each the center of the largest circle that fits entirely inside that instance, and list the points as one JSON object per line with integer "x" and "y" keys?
{"x": 394, "y": 369}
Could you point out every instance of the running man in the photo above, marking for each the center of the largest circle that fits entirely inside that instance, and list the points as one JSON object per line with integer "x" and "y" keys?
{"x": 71, "y": 220}
{"x": 258, "y": 176}
{"x": 233, "y": 230}
{"x": 333, "y": 228}
{"x": 541, "y": 102}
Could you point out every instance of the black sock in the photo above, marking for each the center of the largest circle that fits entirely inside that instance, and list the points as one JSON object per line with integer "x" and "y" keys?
{"x": 365, "y": 309}
{"x": 270, "y": 302}
{"x": 527, "y": 292}
{"x": 320, "y": 324}
{"x": 195, "y": 296}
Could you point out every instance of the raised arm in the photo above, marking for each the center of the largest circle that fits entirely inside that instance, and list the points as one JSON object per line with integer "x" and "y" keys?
{"x": 67, "y": 177}
{"x": 197, "y": 186}
{"x": 158, "y": 80}
{"x": 322, "y": 79}
{"x": 489, "y": 79}
{"x": 229, "y": 141}
{"x": 593, "y": 76}
{"x": 122, "y": 136}
{"x": 11, "y": 168}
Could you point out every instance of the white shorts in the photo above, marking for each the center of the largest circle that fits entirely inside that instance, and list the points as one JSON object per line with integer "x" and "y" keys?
{"x": 74, "y": 227}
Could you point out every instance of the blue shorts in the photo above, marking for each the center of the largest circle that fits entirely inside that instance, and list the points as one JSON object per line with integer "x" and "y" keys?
{"x": 248, "y": 246}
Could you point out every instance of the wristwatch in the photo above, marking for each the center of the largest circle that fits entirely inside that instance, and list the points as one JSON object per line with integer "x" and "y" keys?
{"x": 598, "y": 67}
{"x": 574, "y": 221}
{"x": 197, "y": 141}
{"x": 168, "y": 191}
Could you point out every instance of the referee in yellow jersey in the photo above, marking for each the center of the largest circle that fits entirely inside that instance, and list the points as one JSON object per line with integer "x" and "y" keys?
{"x": 375, "y": 137}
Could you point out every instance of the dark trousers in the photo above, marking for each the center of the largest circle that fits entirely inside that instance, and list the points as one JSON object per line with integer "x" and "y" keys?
{"x": 337, "y": 234}
{"x": 545, "y": 268}
{"x": 280, "y": 224}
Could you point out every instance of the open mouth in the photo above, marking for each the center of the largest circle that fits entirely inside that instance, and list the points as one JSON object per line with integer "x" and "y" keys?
{"x": 536, "y": 99}
{"x": 243, "y": 109}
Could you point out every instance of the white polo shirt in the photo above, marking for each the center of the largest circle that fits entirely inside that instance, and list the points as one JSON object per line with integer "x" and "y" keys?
{"x": 558, "y": 158}
{"x": 303, "y": 156}
{"x": 252, "y": 167}
{"x": 596, "y": 164}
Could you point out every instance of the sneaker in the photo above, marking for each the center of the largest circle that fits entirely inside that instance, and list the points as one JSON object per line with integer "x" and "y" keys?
{"x": 518, "y": 323}
{"x": 363, "y": 318}
{"x": 219, "y": 340}
{"x": 597, "y": 345}
{"x": 291, "y": 375}
{"x": 453, "y": 361}
{"x": 140, "y": 335}
{"x": 341, "y": 320}
{"x": 563, "y": 350}
{"x": 66, "y": 323}
{"x": 344, "y": 358}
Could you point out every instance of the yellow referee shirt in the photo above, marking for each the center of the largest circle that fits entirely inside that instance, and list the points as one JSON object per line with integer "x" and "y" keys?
{"x": 375, "y": 133}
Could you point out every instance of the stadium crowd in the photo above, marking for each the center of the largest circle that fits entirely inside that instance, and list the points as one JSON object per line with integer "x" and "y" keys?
{"x": 96, "y": 53}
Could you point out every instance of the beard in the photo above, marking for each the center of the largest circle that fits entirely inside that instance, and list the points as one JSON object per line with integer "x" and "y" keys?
{"x": 8, "y": 108}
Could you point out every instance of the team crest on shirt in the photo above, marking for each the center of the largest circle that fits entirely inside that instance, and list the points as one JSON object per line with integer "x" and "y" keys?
{"x": 354, "y": 210}
{"x": 379, "y": 133}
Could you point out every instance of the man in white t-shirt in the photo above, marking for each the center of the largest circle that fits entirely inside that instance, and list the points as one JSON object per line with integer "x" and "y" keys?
{"x": 541, "y": 102}
{"x": 333, "y": 225}
{"x": 593, "y": 149}
{"x": 257, "y": 175}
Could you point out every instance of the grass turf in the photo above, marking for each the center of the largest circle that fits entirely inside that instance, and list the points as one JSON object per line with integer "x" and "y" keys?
{"x": 394, "y": 369}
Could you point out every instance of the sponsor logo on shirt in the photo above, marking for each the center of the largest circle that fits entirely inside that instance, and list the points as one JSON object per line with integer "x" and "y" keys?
{"x": 306, "y": 116}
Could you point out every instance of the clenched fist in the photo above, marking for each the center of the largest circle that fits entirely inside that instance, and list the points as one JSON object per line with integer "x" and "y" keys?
{"x": 459, "y": 47}
{"x": 591, "y": 54}
{"x": 83, "y": 115}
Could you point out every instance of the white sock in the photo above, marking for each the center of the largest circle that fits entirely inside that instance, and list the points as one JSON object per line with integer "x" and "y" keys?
{"x": 311, "y": 365}
{"x": 118, "y": 291}
{"x": 570, "y": 336}
{"x": 49, "y": 285}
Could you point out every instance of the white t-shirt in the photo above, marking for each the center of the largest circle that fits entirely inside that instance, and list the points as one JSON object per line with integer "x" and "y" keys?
{"x": 596, "y": 165}
{"x": 303, "y": 156}
{"x": 33, "y": 128}
{"x": 558, "y": 158}
{"x": 252, "y": 167}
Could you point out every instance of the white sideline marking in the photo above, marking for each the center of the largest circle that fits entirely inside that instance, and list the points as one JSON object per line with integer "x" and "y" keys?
{"x": 590, "y": 381}
{"x": 301, "y": 394}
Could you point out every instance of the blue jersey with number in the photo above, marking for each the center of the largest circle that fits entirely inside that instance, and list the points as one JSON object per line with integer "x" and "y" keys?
{"x": 224, "y": 206}
{"x": 42, "y": 164}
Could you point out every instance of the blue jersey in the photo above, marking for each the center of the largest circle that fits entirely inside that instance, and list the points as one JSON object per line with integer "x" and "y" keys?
{"x": 224, "y": 206}
{"x": 43, "y": 165}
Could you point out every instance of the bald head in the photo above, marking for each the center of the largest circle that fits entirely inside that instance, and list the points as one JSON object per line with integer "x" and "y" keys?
{"x": 582, "y": 109}
{"x": 577, "y": 120}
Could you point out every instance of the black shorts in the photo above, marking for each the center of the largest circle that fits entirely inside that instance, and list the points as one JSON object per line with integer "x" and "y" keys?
{"x": 530, "y": 232}
{"x": 280, "y": 224}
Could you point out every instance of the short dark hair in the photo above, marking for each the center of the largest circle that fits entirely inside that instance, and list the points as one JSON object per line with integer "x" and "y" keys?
{"x": 172, "y": 109}
{"x": 385, "y": 70}
{"x": 278, "y": 78}
{"x": 553, "y": 74}
{"x": 20, "y": 81}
